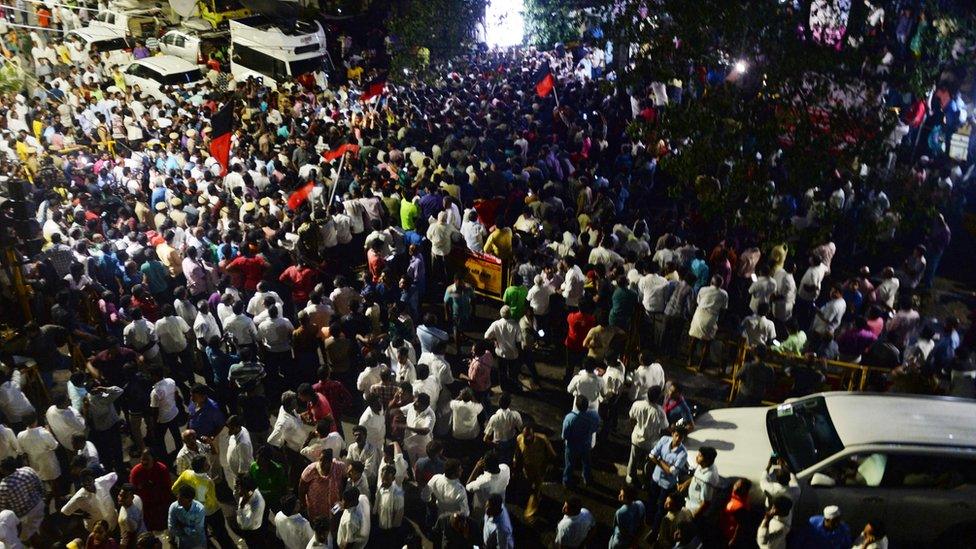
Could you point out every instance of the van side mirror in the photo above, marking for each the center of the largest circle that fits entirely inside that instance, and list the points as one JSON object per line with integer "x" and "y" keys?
{"x": 821, "y": 480}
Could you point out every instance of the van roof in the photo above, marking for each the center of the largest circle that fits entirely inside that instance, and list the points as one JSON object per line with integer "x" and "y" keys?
{"x": 167, "y": 64}
{"x": 264, "y": 23}
{"x": 93, "y": 34}
{"x": 869, "y": 418}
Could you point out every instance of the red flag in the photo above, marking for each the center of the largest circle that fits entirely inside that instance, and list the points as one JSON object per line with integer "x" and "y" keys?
{"x": 301, "y": 195}
{"x": 373, "y": 88}
{"x": 544, "y": 82}
{"x": 329, "y": 156}
{"x": 222, "y": 124}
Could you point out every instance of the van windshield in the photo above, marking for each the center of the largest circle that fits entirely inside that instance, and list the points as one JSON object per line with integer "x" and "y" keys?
{"x": 303, "y": 66}
{"x": 180, "y": 78}
{"x": 803, "y": 433}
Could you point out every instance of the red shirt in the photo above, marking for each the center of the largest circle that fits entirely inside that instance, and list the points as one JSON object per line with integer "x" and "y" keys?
{"x": 251, "y": 268}
{"x": 579, "y": 324}
{"x": 302, "y": 281}
{"x": 735, "y": 511}
{"x": 321, "y": 409}
{"x": 376, "y": 263}
{"x": 336, "y": 394}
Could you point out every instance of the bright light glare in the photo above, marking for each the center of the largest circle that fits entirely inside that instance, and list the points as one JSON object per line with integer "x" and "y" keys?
{"x": 504, "y": 24}
{"x": 741, "y": 67}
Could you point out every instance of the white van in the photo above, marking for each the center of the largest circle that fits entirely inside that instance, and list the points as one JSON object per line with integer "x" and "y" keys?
{"x": 261, "y": 49}
{"x": 906, "y": 460}
{"x": 107, "y": 41}
{"x": 190, "y": 45}
{"x": 140, "y": 23}
{"x": 157, "y": 74}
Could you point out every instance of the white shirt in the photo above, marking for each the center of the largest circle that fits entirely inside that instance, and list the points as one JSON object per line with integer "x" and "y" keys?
{"x": 13, "y": 401}
{"x": 761, "y": 291}
{"x": 171, "y": 331}
{"x": 450, "y": 495}
{"x": 205, "y": 327}
{"x": 389, "y": 506}
{"x": 39, "y": 445}
{"x": 276, "y": 334}
{"x": 538, "y": 298}
{"x": 332, "y": 441}
{"x": 240, "y": 453}
{"x": 573, "y": 286}
{"x": 645, "y": 377}
{"x": 251, "y": 515}
{"x": 163, "y": 398}
{"x": 131, "y": 518}
{"x": 504, "y": 424}
{"x": 415, "y": 444}
{"x": 814, "y": 277}
{"x": 138, "y": 334}
{"x": 650, "y": 287}
{"x": 589, "y": 385}
{"x": 704, "y": 483}
{"x": 772, "y": 533}
{"x": 354, "y": 526}
{"x": 464, "y": 419}
{"x": 99, "y": 505}
{"x": 289, "y": 430}
{"x": 833, "y": 312}
{"x": 474, "y": 234}
{"x": 487, "y": 484}
{"x": 294, "y": 531}
{"x": 785, "y": 287}
{"x": 256, "y": 304}
{"x": 8, "y": 530}
{"x": 64, "y": 424}
{"x": 507, "y": 336}
{"x": 887, "y": 291}
{"x": 242, "y": 328}
{"x": 649, "y": 419}
{"x": 9, "y": 447}
{"x": 439, "y": 235}
{"x": 375, "y": 424}
{"x": 758, "y": 330}
{"x": 368, "y": 454}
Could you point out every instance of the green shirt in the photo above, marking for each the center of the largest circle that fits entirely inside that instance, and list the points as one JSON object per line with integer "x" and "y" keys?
{"x": 271, "y": 483}
{"x": 516, "y": 298}
{"x": 409, "y": 212}
{"x": 156, "y": 276}
{"x": 793, "y": 345}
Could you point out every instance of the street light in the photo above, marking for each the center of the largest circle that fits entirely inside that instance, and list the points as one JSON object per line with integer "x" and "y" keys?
{"x": 741, "y": 67}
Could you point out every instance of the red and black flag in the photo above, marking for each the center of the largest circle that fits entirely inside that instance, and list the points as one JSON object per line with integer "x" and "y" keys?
{"x": 374, "y": 87}
{"x": 329, "y": 156}
{"x": 296, "y": 198}
{"x": 544, "y": 81}
{"x": 222, "y": 125}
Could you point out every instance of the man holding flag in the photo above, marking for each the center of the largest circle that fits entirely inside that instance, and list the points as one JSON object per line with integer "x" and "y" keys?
{"x": 222, "y": 125}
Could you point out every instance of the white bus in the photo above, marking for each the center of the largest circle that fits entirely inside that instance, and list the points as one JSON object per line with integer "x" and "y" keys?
{"x": 260, "y": 48}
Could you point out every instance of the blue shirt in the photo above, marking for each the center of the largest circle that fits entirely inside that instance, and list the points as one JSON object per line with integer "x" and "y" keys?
{"x": 839, "y": 537}
{"x": 220, "y": 363}
{"x": 206, "y": 419}
{"x": 187, "y": 525}
{"x": 497, "y": 533}
{"x": 579, "y": 428}
{"x": 627, "y": 522}
{"x": 676, "y": 458}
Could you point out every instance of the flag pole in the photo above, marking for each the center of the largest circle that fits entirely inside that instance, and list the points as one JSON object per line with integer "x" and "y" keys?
{"x": 335, "y": 182}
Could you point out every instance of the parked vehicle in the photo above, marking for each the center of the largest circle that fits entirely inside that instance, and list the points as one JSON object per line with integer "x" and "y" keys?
{"x": 262, "y": 49}
{"x": 158, "y": 74}
{"x": 192, "y": 46}
{"x": 139, "y": 23}
{"x": 886, "y": 457}
{"x": 115, "y": 45}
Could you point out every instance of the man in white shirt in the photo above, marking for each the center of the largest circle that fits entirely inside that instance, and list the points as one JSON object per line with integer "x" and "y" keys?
{"x": 647, "y": 419}
{"x": 648, "y": 374}
{"x": 757, "y": 329}
{"x": 447, "y": 491}
{"x": 94, "y": 499}
{"x": 538, "y": 299}
{"x": 573, "y": 281}
{"x": 502, "y": 428}
{"x": 63, "y": 421}
{"x": 829, "y": 316}
{"x": 354, "y": 525}
{"x": 775, "y": 524}
{"x": 241, "y": 327}
{"x": 275, "y": 334}
{"x": 140, "y": 336}
{"x": 419, "y": 426}
{"x": 163, "y": 411}
{"x": 388, "y": 505}
{"x": 291, "y": 527}
{"x": 174, "y": 335}
{"x": 493, "y": 479}
{"x": 785, "y": 296}
{"x": 809, "y": 288}
{"x": 240, "y": 452}
{"x": 586, "y": 383}
{"x": 256, "y": 304}
{"x": 473, "y": 231}
{"x": 362, "y": 450}
{"x": 507, "y": 335}
{"x": 374, "y": 420}
{"x": 704, "y": 482}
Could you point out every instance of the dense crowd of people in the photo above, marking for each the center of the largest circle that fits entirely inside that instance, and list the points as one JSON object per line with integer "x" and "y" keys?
{"x": 225, "y": 352}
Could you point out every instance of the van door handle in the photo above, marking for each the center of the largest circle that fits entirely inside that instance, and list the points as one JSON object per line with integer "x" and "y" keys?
{"x": 873, "y": 499}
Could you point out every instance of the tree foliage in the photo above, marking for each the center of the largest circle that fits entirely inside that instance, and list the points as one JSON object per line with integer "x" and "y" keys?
{"x": 797, "y": 112}
{"x": 431, "y": 30}
{"x": 550, "y": 21}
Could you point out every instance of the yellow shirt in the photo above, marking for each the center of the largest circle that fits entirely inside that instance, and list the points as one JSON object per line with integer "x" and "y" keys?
{"x": 499, "y": 244}
{"x": 354, "y": 73}
{"x": 203, "y": 485}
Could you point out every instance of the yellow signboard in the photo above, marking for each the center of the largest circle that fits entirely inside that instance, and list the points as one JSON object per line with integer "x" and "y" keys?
{"x": 486, "y": 273}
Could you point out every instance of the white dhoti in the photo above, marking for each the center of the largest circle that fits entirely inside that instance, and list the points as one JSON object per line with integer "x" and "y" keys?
{"x": 704, "y": 324}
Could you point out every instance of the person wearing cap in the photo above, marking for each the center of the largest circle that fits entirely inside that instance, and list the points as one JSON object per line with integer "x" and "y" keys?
{"x": 507, "y": 336}
{"x": 829, "y": 531}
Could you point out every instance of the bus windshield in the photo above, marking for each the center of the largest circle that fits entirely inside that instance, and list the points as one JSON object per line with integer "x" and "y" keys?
{"x": 304, "y": 66}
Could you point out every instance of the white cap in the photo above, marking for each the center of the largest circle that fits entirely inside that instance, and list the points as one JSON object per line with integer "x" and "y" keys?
{"x": 831, "y": 512}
